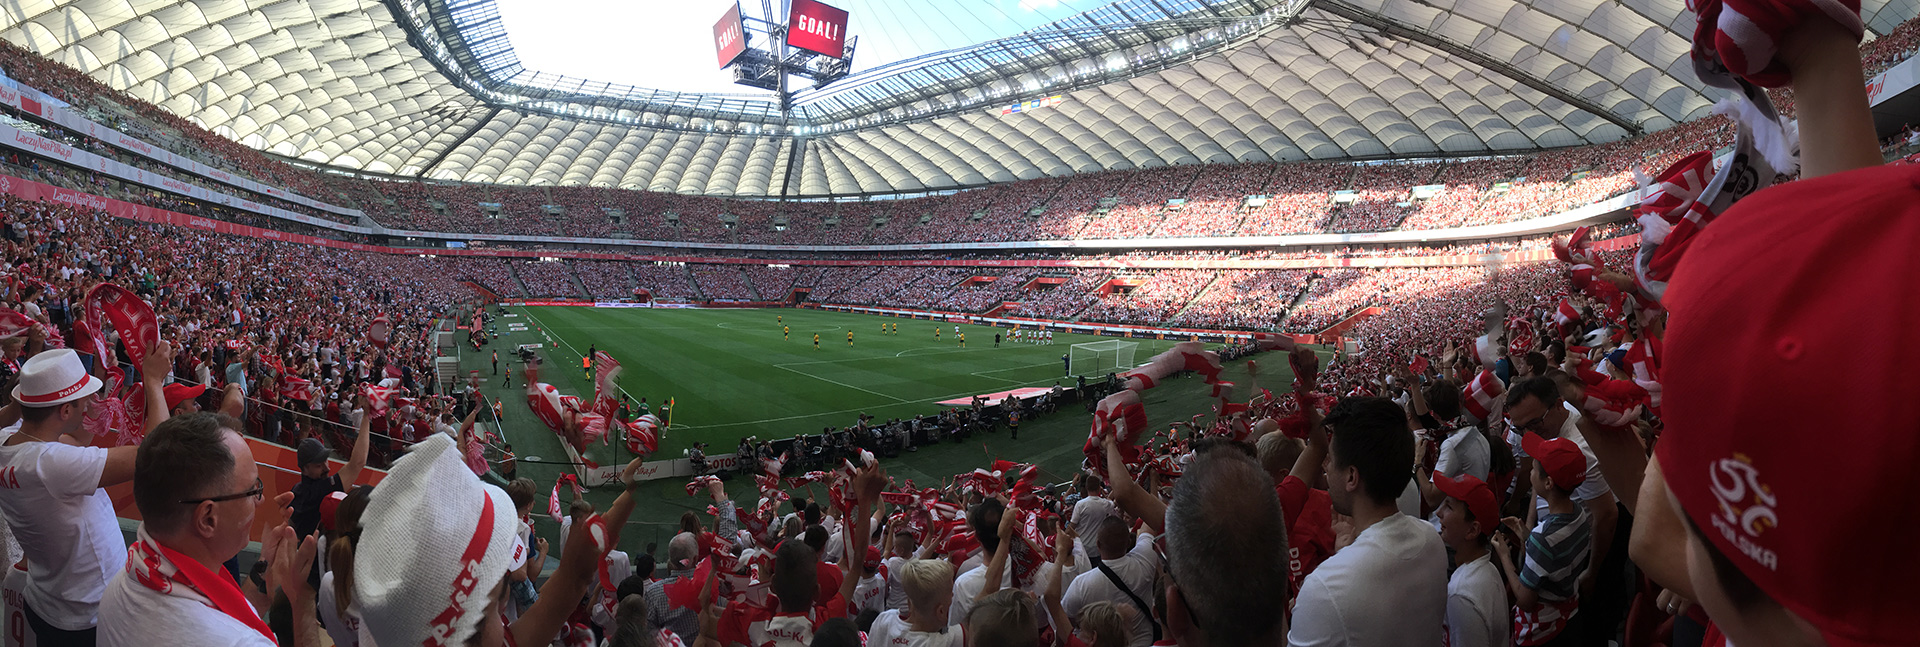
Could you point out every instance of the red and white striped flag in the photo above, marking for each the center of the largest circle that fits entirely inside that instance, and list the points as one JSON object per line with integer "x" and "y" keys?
{"x": 1483, "y": 396}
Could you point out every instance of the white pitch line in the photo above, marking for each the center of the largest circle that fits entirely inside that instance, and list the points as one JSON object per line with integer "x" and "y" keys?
{"x": 850, "y": 386}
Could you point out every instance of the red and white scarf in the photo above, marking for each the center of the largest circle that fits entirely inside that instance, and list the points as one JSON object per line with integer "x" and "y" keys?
{"x": 168, "y": 572}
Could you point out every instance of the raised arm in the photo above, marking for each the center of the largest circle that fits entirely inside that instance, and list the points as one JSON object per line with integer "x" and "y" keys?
{"x": 1129, "y": 495}
{"x": 1063, "y": 555}
{"x": 1309, "y": 466}
{"x": 578, "y": 562}
{"x": 233, "y": 401}
{"x": 363, "y": 436}
{"x": 867, "y": 483}
{"x": 1836, "y": 131}
{"x": 998, "y": 565}
{"x": 153, "y": 377}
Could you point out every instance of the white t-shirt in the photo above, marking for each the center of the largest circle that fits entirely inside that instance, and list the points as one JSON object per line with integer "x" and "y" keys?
{"x": 345, "y": 629}
{"x": 1137, "y": 568}
{"x": 890, "y": 631}
{"x": 16, "y": 632}
{"x": 1465, "y": 452}
{"x": 132, "y": 615}
{"x": 50, "y": 493}
{"x": 868, "y": 593}
{"x": 1387, "y": 589}
{"x": 896, "y": 594}
{"x": 967, "y": 587}
{"x": 1088, "y": 514}
{"x": 1409, "y": 501}
{"x": 1477, "y": 610}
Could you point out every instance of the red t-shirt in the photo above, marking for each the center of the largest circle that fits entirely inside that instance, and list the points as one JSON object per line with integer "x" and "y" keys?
{"x": 1309, "y": 515}
{"x": 830, "y": 578}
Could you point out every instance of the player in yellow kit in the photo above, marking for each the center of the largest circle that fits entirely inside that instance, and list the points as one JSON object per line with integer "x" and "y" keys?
{"x": 963, "y": 340}
{"x": 816, "y": 341}
{"x": 849, "y": 339}
{"x": 936, "y": 333}
{"x": 786, "y": 333}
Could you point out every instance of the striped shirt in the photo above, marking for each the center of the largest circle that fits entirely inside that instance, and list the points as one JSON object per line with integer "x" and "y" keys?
{"x": 1557, "y": 553}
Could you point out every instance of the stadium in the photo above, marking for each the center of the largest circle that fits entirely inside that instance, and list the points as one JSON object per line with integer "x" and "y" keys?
{"x": 909, "y": 298}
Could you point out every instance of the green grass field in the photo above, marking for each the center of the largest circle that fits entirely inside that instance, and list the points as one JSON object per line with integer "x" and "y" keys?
{"x": 731, "y": 374}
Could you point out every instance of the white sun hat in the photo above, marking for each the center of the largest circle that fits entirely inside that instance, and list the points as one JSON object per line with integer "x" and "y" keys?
{"x": 53, "y": 378}
{"x": 434, "y": 543}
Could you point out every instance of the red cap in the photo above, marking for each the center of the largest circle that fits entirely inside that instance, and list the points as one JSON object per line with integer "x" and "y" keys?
{"x": 1559, "y": 458}
{"x": 178, "y": 393}
{"x": 873, "y": 560}
{"x": 1477, "y": 496}
{"x": 328, "y": 506}
{"x": 1791, "y": 292}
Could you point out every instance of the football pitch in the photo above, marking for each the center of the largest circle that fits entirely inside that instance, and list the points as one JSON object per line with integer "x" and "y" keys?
{"x": 732, "y": 373}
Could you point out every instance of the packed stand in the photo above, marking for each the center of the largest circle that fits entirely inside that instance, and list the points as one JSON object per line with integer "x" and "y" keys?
{"x": 1066, "y": 300}
{"x": 666, "y": 282}
{"x": 1141, "y": 201}
{"x": 1155, "y": 300}
{"x": 605, "y": 279}
{"x": 929, "y": 286}
{"x": 547, "y": 278}
{"x": 722, "y": 282}
{"x": 1214, "y": 201}
{"x": 1245, "y": 300}
{"x": 979, "y": 297}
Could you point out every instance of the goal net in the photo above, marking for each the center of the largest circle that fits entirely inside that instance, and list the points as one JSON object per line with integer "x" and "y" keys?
{"x": 1101, "y": 357}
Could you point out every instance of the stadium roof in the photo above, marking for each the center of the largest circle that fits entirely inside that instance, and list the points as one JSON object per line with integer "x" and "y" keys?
{"x": 422, "y": 87}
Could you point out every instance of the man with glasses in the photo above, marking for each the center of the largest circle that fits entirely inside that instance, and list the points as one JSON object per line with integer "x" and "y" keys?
{"x": 197, "y": 487}
{"x": 1534, "y": 405}
{"x": 52, "y": 492}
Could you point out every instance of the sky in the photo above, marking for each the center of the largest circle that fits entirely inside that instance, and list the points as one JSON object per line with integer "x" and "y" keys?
{"x": 668, "y": 44}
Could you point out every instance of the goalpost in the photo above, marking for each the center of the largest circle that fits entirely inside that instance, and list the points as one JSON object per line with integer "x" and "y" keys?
{"x": 1101, "y": 357}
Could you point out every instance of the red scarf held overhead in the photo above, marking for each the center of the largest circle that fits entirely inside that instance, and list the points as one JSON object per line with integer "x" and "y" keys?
{"x": 168, "y": 572}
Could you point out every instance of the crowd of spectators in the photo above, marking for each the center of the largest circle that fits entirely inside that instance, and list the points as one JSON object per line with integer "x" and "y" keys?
{"x": 605, "y": 279}
{"x": 773, "y": 283}
{"x": 664, "y": 281}
{"x": 722, "y": 282}
{"x": 494, "y": 274}
{"x": 547, "y": 278}
{"x": 1154, "y": 300}
{"x": 1066, "y": 300}
{"x": 979, "y": 296}
{"x": 1245, "y": 300}
{"x": 928, "y": 286}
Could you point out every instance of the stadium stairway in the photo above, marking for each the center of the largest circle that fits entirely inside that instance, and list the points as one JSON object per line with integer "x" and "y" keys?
{"x": 752, "y": 290}
{"x": 1197, "y": 296}
{"x": 1305, "y": 289}
{"x": 697, "y": 292}
{"x": 518, "y": 283}
{"x": 579, "y": 286}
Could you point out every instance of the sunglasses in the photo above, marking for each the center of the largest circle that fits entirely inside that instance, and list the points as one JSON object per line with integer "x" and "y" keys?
{"x": 259, "y": 490}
